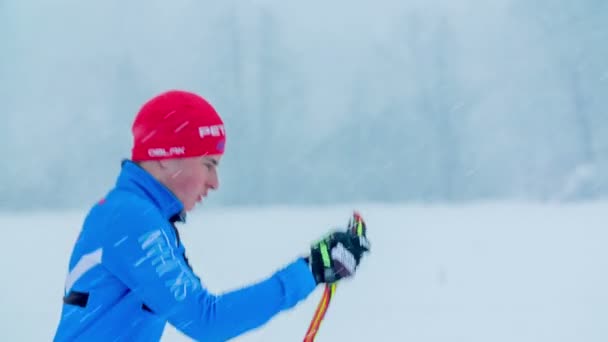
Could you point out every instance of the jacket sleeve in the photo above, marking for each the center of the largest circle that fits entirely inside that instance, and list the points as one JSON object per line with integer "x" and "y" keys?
{"x": 148, "y": 262}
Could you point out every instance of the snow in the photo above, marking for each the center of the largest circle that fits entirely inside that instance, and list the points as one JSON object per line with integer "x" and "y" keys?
{"x": 480, "y": 272}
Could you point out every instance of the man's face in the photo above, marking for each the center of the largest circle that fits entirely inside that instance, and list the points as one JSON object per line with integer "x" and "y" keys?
{"x": 190, "y": 179}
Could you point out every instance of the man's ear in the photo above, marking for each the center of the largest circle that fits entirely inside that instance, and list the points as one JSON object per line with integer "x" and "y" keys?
{"x": 164, "y": 164}
{"x": 170, "y": 167}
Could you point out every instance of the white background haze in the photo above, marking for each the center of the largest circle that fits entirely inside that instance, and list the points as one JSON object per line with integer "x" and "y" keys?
{"x": 472, "y": 135}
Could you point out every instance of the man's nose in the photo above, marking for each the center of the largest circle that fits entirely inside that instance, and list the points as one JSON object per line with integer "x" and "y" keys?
{"x": 214, "y": 182}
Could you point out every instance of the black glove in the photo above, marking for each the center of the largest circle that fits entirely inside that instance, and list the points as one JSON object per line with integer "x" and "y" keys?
{"x": 337, "y": 255}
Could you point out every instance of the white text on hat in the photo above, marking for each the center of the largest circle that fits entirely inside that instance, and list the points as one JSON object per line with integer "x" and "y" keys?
{"x": 214, "y": 131}
{"x": 162, "y": 152}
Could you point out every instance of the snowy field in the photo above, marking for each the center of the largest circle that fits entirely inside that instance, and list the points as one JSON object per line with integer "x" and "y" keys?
{"x": 476, "y": 273}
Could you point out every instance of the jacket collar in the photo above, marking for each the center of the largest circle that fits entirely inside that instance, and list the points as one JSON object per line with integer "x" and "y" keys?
{"x": 137, "y": 180}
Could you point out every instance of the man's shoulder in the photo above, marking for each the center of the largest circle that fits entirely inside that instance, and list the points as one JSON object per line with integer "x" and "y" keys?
{"x": 120, "y": 211}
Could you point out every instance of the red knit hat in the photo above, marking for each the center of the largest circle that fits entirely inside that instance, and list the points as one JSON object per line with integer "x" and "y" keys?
{"x": 177, "y": 124}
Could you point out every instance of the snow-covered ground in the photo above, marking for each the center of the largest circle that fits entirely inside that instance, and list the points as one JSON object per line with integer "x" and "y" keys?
{"x": 483, "y": 272}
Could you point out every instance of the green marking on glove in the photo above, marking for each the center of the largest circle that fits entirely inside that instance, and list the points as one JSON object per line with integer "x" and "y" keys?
{"x": 324, "y": 254}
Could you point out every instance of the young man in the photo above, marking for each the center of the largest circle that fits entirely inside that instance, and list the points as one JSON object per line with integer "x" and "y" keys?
{"x": 129, "y": 275}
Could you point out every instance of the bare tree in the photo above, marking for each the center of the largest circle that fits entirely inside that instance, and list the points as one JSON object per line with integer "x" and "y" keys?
{"x": 575, "y": 34}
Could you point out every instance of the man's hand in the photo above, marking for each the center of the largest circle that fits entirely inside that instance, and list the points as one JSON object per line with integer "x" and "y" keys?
{"x": 337, "y": 255}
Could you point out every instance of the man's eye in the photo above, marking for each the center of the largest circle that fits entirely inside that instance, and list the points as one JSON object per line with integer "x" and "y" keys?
{"x": 209, "y": 166}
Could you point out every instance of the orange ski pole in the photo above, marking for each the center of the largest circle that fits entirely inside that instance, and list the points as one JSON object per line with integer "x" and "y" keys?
{"x": 357, "y": 226}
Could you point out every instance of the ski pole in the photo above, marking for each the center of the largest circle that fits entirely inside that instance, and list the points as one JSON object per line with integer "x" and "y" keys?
{"x": 357, "y": 225}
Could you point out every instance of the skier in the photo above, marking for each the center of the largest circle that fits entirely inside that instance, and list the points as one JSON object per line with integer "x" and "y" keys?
{"x": 128, "y": 273}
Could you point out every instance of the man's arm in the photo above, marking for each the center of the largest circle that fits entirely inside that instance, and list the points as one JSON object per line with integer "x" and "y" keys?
{"x": 147, "y": 261}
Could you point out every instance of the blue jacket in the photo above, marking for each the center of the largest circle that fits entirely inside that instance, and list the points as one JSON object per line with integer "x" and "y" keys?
{"x": 128, "y": 275}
